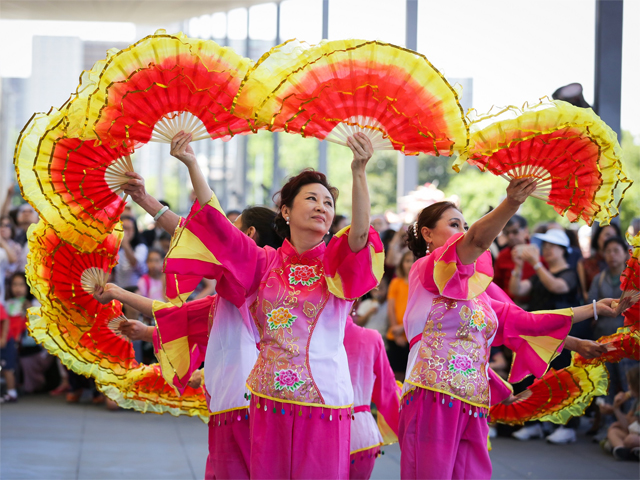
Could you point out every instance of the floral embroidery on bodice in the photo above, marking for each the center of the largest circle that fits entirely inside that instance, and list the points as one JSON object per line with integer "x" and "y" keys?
{"x": 454, "y": 349}
{"x": 288, "y": 305}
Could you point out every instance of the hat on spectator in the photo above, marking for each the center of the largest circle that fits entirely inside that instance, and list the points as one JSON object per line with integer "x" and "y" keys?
{"x": 555, "y": 236}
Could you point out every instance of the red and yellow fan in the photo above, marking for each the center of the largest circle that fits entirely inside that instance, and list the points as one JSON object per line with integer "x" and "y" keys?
{"x": 62, "y": 277}
{"x": 146, "y": 391}
{"x": 622, "y": 344}
{"x": 97, "y": 352}
{"x": 335, "y": 89}
{"x": 630, "y": 282}
{"x": 157, "y": 87}
{"x": 570, "y": 151}
{"x": 74, "y": 185}
{"x": 556, "y": 397}
{"x": 632, "y": 317}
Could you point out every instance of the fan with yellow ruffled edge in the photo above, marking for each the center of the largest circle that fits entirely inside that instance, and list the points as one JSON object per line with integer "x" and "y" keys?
{"x": 556, "y": 397}
{"x": 570, "y": 151}
{"x": 157, "y": 87}
{"x": 62, "y": 277}
{"x": 74, "y": 185}
{"x": 334, "y": 89}
{"x": 630, "y": 281}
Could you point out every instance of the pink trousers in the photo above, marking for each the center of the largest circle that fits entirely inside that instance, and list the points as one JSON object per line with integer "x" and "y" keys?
{"x": 362, "y": 463}
{"x": 294, "y": 441}
{"x": 228, "y": 446}
{"x": 442, "y": 440}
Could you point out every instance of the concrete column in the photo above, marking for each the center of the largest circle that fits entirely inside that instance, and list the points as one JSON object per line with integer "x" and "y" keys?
{"x": 608, "y": 64}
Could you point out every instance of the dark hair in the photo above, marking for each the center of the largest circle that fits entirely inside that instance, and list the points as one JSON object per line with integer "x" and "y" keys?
{"x": 595, "y": 236}
{"x": 521, "y": 221}
{"x": 137, "y": 238}
{"x": 233, "y": 212}
{"x": 164, "y": 236}
{"x": 12, "y": 226}
{"x": 617, "y": 240}
{"x": 261, "y": 218}
{"x": 336, "y": 221}
{"x": 428, "y": 217}
{"x": 29, "y": 296}
{"x": 386, "y": 238}
{"x": 164, "y": 203}
{"x": 156, "y": 250}
{"x": 400, "y": 268}
{"x": 633, "y": 378}
{"x": 289, "y": 191}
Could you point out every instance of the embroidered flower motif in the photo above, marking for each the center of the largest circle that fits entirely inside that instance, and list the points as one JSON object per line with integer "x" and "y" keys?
{"x": 461, "y": 364}
{"x": 288, "y": 379}
{"x": 478, "y": 320}
{"x": 303, "y": 274}
{"x": 280, "y": 318}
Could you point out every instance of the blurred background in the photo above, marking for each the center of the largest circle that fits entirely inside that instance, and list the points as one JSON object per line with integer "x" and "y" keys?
{"x": 503, "y": 52}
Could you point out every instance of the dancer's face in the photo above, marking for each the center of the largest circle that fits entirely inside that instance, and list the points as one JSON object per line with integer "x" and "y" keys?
{"x": 451, "y": 222}
{"x": 312, "y": 210}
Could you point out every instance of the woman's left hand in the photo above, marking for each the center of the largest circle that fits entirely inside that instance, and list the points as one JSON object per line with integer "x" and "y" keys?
{"x": 362, "y": 150}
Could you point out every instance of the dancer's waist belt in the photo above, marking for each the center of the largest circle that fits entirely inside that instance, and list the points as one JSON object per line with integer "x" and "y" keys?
{"x": 361, "y": 408}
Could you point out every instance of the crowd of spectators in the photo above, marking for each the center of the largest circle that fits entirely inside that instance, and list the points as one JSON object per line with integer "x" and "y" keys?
{"x": 542, "y": 268}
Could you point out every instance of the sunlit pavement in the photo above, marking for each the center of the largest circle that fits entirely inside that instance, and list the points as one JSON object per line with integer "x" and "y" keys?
{"x": 45, "y": 438}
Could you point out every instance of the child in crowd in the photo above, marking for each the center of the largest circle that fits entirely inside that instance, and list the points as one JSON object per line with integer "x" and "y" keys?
{"x": 372, "y": 312}
{"x": 152, "y": 284}
{"x": 623, "y": 437}
{"x": 8, "y": 357}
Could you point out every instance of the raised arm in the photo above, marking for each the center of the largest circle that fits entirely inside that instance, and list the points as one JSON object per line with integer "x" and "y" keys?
{"x": 181, "y": 149}
{"x": 479, "y": 237}
{"x": 168, "y": 221}
{"x": 362, "y": 150}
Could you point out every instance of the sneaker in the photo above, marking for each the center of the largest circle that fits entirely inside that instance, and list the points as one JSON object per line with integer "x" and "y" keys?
{"x": 73, "y": 397}
{"x": 8, "y": 398}
{"x": 606, "y": 445}
{"x": 528, "y": 433}
{"x": 562, "y": 435}
{"x": 621, "y": 453}
{"x": 635, "y": 454}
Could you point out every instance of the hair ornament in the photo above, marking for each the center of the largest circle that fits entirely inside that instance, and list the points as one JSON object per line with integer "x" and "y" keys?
{"x": 415, "y": 229}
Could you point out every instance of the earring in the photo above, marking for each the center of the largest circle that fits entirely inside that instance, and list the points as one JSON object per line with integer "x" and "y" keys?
{"x": 427, "y": 248}
{"x": 287, "y": 219}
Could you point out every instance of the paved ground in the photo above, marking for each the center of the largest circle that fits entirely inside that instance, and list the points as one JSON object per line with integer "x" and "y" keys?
{"x": 44, "y": 438}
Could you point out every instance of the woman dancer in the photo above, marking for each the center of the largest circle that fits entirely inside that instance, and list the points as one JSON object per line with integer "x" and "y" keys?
{"x": 452, "y": 323}
{"x": 300, "y": 296}
{"x": 373, "y": 381}
{"x": 205, "y": 323}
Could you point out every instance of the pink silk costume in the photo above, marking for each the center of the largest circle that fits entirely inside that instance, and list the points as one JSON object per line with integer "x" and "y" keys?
{"x": 301, "y": 392}
{"x": 443, "y": 425}
{"x": 227, "y": 365}
{"x": 373, "y": 381}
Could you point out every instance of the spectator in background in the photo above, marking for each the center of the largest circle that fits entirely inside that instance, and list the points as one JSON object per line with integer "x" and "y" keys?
{"x": 634, "y": 227}
{"x": 371, "y": 312}
{"x": 25, "y": 217}
{"x": 588, "y": 268}
{"x": 516, "y": 231}
{"x": 379, "y": 223}
{"x": 8, "y": 357}
{"x": 623, "y": 437}
{"x": 132, "y": 256}
{"x": 552, "y": 287}
{"x": 9, "y": 253}
{"x": 606, "y": 284}
{"x": 164, "y": 242}
{"x": 397, "y": 298}
{"x": 232, "y": 215}
{"x": 152, "y": 283}
{"x": 339, "y": 222}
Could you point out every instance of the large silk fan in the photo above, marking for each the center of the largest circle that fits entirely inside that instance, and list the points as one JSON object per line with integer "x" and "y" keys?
{"x": 630, "y": 278}
{"x": 61, "y": 277}
{"x": 556, "y": 397}
{"x": 335, "y": 89}
{"x": 144, "y": 390}
{"x": 625, "y": 343}
{"x": 157, "y": 87}
{"x": 570, "y": 151}
{"x": 74, "y": 185}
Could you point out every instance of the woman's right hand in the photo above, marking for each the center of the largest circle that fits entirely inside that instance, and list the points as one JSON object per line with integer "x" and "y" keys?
{"x": 181, "y": 149}
{"x": 520, "y": 188}
{"x": 136, "y": 330}
{"x": 106, "y": 294}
